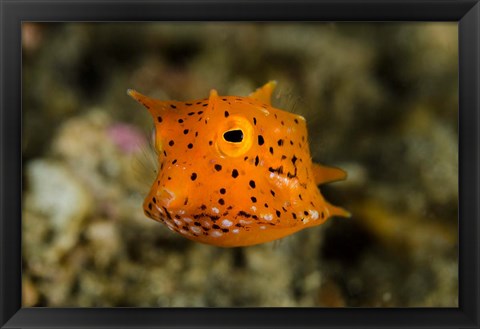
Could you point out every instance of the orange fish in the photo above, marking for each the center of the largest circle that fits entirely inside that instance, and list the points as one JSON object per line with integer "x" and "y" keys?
{"x": 235, "y": 171}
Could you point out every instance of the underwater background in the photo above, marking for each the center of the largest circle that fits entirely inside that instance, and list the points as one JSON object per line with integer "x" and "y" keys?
{"x": 381, "y": 102}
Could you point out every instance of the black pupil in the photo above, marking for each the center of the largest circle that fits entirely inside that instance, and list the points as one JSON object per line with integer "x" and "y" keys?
{"x": 233, "y": 136}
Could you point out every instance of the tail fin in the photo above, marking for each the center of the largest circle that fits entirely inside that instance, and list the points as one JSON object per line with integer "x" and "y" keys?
{"x": 324, "y": 174}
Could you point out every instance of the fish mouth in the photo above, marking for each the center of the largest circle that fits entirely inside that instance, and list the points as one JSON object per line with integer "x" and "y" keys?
{"x": 166, "y": 197}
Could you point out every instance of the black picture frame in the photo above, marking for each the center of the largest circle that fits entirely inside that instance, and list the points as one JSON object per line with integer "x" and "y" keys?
{"x": 13, "y": 12}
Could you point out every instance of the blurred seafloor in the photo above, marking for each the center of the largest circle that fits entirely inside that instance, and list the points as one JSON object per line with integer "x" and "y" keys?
{"x": 380, "y": 101}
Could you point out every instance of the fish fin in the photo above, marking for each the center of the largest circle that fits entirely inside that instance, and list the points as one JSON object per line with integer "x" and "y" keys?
{"x": 150, "y": 103}
{"x": 324, "y": 174}
{"x": 144, "y": 164}
{"x": 264, "y": 93}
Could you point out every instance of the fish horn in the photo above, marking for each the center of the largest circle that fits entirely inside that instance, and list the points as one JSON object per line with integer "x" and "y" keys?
{"x": 153, "y": 105}
{"x": 264, "y": 93}
{"x": 212, "y": 99}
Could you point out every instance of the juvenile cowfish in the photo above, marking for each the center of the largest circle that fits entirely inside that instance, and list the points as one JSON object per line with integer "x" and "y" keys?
{"x": 235, "y": 171}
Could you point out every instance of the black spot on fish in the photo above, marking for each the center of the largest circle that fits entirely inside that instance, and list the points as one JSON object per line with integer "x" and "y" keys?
{"x": 244, "y": 214}
{"x": 294, "y": 159}
{"x": 260, "y": 140}
{"x": 278, "y": 170}
{"x": 166, "y": 212}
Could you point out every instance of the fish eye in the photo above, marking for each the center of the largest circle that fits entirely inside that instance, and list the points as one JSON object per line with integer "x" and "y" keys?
{"x": 233, "y": 136}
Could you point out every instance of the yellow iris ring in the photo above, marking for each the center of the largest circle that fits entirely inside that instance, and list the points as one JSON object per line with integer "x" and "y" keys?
{"x": 233, "y": 149}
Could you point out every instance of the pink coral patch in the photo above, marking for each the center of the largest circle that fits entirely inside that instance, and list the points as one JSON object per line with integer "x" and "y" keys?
{"x": 128, "y": 138}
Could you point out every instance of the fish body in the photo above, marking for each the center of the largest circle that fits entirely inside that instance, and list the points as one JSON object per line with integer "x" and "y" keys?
{"x": 234, "y": 171}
